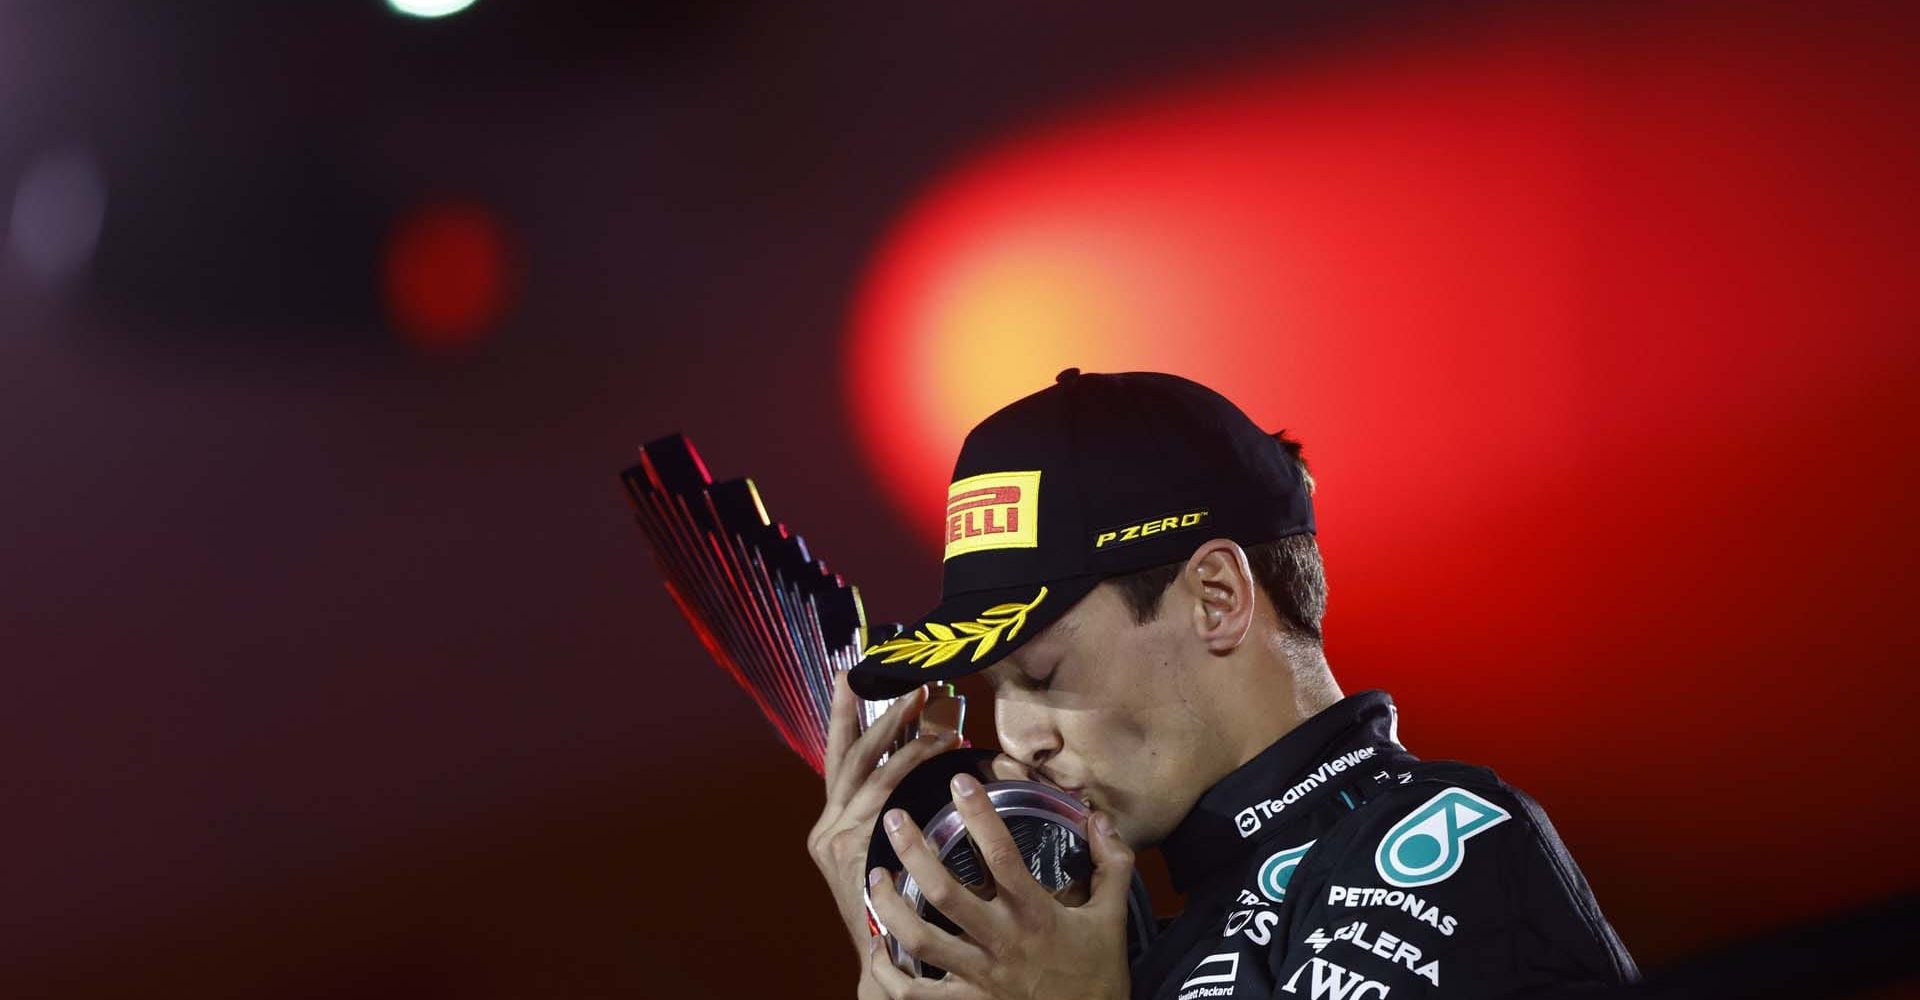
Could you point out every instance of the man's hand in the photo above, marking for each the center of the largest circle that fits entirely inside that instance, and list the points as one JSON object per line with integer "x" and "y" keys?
{"x": 856, "y": 791}
{"x": 1022, "y": 943}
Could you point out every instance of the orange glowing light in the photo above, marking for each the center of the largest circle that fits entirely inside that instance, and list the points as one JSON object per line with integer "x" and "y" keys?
{"x": 1255, "y": 233}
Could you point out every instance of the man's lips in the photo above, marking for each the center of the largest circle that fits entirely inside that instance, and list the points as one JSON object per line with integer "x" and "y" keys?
{"x": 1048, "y": 779}
{"x": 1079, "y": 792}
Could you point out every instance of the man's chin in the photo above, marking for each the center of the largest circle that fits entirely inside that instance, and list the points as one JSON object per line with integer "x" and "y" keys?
{"x": 1123, "y": 825}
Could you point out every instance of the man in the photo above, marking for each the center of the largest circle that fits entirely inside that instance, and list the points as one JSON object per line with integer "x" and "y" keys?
{"x": 1131, "y": 561}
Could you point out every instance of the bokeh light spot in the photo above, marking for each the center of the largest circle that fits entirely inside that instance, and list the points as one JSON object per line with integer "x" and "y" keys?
{"x": 58, "y": 210}
{"x": 449, "y": 275}
{"x": 429, "y": 8}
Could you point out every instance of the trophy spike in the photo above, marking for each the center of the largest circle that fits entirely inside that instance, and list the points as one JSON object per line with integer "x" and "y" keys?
{"x": 767, "y": 611}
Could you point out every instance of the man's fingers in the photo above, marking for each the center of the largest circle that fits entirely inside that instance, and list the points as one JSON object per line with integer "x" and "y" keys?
{"x": 937, "y": 885}
{"x": 923, "y": 941}
{"x": 871, "y": 795}
{"x": 897, "y": 985}
{"x": 994, "y": 843}
{"x": 1112, "y": 865}
{"x": 859, "y": 759}
{"x": 843, "y": 724}
{"x": 892, "y": 981}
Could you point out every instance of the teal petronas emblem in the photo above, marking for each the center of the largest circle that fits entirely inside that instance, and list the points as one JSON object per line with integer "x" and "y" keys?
{"x": 1429, "y": 844}
{"x": 1277, "y": 871}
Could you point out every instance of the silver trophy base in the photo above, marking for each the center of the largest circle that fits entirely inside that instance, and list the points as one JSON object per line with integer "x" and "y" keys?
{"x": 1048, "y": 825}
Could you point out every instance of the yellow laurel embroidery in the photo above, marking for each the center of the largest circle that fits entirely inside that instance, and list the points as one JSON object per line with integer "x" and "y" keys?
{"x": 940, "y": 643}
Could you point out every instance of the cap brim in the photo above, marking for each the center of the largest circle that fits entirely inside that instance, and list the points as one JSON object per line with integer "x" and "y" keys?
{"x": 966, "y": 633}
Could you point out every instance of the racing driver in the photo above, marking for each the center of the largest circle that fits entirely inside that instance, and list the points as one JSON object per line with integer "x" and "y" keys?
{"x": 1132, "y": 562}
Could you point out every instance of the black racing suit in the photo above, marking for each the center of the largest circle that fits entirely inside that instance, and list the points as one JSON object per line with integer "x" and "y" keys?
{"x": 1337, "y": 866}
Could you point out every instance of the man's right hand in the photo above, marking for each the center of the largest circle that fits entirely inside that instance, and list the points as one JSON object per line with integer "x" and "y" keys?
{"x": 856, "y": 792}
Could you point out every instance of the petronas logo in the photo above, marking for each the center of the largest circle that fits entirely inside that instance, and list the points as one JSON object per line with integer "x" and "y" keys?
{"x": 1277, "y": 871}
{"x": 1429, "y": 844}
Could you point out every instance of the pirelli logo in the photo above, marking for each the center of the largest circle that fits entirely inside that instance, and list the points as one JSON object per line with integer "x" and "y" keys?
{"x": 999, "y": 510}
{"x": 1129, "y": 533}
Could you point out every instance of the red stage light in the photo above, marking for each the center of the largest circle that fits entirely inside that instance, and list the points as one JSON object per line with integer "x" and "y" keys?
{"x": 448, "y": 275}
{"x": 1371, "y": 271}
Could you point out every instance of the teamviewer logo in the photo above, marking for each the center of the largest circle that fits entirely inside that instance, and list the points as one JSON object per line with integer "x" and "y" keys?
{"x": 1248, "y": 821}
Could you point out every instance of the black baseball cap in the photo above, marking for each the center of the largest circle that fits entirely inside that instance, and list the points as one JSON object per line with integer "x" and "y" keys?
{"x": 1091, "y": 477}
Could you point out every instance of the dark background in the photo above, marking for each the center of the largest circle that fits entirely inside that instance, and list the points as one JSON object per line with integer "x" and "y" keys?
{"x": 334, "y": 665}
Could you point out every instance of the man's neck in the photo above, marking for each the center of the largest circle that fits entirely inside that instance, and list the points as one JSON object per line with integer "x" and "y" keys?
{"x": 1287, "y": 683}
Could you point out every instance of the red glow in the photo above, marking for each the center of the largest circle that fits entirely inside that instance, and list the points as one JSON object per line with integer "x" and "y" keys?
{"x": 448, "y": 275}
{"x": 1598, "y": 330}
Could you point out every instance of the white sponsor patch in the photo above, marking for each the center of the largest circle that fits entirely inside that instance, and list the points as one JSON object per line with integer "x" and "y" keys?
{"x": 1256, "y": 924}
{"x": 1213, "y": 977}
{"x": 1429, "y": 843}
{"x": 1398, "y": 899}
{"x": 1335, "y": 982}
{"x": 1277, "y": 871}
{"x": 1381, "y": 945}
{"x": 1248, "y": 820}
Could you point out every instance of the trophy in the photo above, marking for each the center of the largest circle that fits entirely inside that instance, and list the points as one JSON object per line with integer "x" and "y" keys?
{"x": 783, "y": 626}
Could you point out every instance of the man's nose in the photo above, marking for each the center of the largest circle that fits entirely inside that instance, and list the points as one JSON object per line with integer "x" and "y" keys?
{"x": 1026, "y": 735}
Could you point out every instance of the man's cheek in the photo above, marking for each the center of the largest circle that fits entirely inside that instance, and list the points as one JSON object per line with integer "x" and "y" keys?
{"x": 1137, "y": 812}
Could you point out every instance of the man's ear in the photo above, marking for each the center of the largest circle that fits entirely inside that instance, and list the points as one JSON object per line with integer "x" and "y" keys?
{"x": 1221, "y": 583}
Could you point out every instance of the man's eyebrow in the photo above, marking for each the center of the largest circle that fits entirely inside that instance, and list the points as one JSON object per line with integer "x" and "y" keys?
{"x": 1062, "y": 629}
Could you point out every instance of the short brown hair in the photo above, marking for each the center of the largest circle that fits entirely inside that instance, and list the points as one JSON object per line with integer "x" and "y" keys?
{"x": 1288, "y": 569}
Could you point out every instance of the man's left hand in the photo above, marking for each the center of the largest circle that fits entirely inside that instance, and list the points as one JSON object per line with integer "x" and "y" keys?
{"x": 1020, "y": 944}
